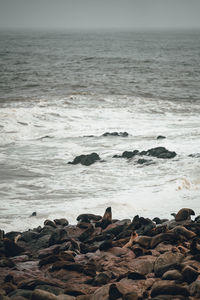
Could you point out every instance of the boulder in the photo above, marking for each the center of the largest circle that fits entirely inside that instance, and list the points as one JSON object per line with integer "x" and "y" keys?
{"x": 160, "y": 152}
{"x": 85, "y": 160}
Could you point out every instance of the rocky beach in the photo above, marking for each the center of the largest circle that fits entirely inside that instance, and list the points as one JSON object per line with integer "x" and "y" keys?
{"x": 102, "y": 258}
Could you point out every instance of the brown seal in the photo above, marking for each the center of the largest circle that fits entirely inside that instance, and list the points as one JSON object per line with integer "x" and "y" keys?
{"x": 184, "y": 214}
{"x": 134, "y": 235}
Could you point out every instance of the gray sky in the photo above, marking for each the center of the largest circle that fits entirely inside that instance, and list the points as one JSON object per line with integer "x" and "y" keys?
{"x": 95, "y": 14}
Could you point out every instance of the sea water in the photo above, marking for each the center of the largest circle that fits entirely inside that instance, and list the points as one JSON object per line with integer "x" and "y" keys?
{"x": 60, "y": 91}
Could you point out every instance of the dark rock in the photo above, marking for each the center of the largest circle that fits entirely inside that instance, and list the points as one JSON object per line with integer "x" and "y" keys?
{"x": 130, "y": 154}
{"x": 161, "y": 137}
{"x": 85, "y": 160}
{"x": 33, "y": 214}
{"x": 160, "y": 152}
{"x": 122, "y": 134}
{"x": 143, "y": 161}
{"x": 195, "y": 155}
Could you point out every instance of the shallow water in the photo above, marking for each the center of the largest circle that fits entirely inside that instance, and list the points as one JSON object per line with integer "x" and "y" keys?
{"x": 81, "y": 90}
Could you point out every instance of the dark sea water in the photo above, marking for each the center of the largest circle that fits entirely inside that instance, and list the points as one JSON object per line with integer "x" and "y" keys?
{"x": 60, "y": 91}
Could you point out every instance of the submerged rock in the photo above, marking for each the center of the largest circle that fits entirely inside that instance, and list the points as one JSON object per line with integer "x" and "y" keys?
{"x": 85, "y": 160}
{"x": 122, "y": 134}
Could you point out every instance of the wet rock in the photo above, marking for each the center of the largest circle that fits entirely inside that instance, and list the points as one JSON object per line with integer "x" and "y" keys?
{"x": 129, "y": 154}
{"x": 34, "y": 214}
{"x": 85, "y": 160}
{"x": 122, "y": 134}
{"x": 42, "y": 295}
{"x": 195, "y": 155}
{"x": 143, "y": 161}
{"x": 167, "y": 261}
{"x": 161, "y": 137}
{"x": 160, "y": 152}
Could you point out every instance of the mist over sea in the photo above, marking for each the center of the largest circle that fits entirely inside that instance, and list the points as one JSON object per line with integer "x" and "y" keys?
{"x": 60, "y": 91}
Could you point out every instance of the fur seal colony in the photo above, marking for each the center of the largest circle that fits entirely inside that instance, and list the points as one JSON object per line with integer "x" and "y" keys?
{"x": 102, "y": 258}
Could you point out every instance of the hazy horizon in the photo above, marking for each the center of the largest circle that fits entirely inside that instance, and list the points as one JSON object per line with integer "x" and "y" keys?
{"x": 100, "y": 15}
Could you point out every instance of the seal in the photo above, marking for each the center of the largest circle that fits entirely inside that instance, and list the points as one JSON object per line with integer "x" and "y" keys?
{"x": 107, "y": 218}
{"x": 184, "y": 214}
{"x": 134, "y": 235}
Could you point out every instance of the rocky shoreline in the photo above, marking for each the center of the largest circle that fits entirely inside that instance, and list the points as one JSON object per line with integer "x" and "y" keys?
{"x": 101, "y": 258}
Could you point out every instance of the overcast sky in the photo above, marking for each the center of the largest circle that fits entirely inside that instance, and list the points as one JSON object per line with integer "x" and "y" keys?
{"x": 95, "y": 14}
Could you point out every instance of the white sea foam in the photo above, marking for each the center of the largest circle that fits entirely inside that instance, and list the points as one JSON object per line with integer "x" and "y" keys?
{"x": 37, "y": 141}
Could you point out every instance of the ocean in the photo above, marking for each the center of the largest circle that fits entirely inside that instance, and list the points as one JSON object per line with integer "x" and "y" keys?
{"x": 60, "y": 91}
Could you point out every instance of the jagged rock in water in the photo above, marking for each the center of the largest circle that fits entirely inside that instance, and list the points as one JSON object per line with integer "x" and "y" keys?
{"x": 85, "y": 159}
{"x": 122, "y": 134}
